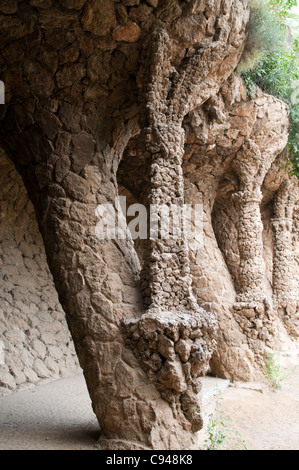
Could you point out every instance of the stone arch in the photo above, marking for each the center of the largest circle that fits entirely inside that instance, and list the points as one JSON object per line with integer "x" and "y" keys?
{"x": 35, "y": 340}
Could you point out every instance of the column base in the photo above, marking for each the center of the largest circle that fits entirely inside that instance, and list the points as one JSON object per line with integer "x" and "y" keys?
{"x": 120, "y": 444}
{"x": 174, "y": 349}
{"x": 288, "y": 311}
{"x": 256, "y": 319}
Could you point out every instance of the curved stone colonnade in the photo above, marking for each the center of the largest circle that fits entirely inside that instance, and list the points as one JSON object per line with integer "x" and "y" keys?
{"x": 234, "y": 159}
{"x": 85, "y": 80}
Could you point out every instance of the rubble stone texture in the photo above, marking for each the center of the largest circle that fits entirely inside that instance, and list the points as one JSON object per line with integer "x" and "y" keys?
{"x": 142, "y": 99}
{"x": 284, "y": 268}
{"x": 35, "y": 342}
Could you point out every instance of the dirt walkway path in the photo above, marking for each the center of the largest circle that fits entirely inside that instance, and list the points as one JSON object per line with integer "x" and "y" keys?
{"x": 266, "y": 419}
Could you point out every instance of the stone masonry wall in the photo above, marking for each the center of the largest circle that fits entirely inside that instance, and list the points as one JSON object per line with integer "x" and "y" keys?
{"x": 35, "y": 343}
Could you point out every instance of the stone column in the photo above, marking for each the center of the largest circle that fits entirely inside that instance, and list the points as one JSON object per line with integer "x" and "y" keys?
{"x": 174, "y": 339}
{"x": 284, "y": 276}
{"x": 252, "y": 308}
{"x": 250, "y": 244}
{"x": 168, "y": 283}
{"x": 296, "y": 242}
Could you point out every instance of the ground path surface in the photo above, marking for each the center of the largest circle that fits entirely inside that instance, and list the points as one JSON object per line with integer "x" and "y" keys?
{"x": 267, "y": 420}
{"x": 58, "y": 415}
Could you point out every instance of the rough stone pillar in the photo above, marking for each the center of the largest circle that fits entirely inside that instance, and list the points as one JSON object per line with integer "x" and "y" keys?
{"x": 284, "y": 277}
{"x": 252, "y": 307}
{"x": 173, "y": 339}
{"x": 67, "y": 176}
{"x": 296, "y": 241}
{"x": 250, "y": 228}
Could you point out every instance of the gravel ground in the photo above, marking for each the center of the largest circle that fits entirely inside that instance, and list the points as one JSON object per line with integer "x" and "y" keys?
{"x": 58, "y": 415}
{"x": 53, "y": 416}
{"x": 267, "y": 419}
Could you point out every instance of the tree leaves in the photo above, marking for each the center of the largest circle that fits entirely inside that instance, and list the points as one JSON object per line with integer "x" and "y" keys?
{"x": 277, "y": 70}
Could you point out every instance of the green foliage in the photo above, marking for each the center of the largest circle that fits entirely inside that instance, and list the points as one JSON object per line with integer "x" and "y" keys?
{"x": 275, "y": 375}
{"x": 221, "y": 435}
{"x": 271, "y": 60}
{"x": 265, "y": 35}
{"x": 282, "y": 7}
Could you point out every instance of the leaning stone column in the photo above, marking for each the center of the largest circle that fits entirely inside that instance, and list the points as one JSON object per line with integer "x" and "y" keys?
{"x": 284, "y": 281}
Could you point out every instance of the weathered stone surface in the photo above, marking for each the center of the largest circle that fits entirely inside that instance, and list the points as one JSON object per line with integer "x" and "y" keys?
{"x": 169, "y": 10}
{"x": 99, "y": 17}
{"x": 41, "y": 3}
{"x": 70, "y": 117}
{"x": 57, "y": 15}
{"x": 163, "y": 342}
{"x": 189, "y": 30}
{"x": 70, "y": 74}
{"x": 27, "y": 290}
{"x": 76, "y": 186}
{"x": 82, "y": 150}
{"x": 140, "y": 13}
{"x": 13, "y": 28}
{"x": 128, "y": 33}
